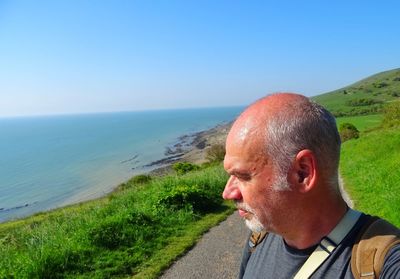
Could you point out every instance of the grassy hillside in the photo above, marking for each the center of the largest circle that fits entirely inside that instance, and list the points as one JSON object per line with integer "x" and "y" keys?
{"x": 364, "y": 97}
{"x": 370, "y": 168}
{"x": 363, "y": 122}
{"x": 138, "y": 230}
{"x": 369, "y": 165}
{"x": 141, "y": 228}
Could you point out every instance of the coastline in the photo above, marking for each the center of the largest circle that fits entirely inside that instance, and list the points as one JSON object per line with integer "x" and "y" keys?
{"x": 188, "y": 148}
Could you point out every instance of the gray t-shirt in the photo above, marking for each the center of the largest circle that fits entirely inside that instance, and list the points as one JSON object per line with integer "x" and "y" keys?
{"x": 273, "y": 258}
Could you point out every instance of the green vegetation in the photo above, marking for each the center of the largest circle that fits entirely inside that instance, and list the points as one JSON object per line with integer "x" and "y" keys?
{"x": 362, "y": 102}
{"x": 148, "y": 222}
{"x": 184, "y": 167}
{"x": 391, "y": 115}
{"x": 140, "y": 179}
{"x": 348, "y": 131}
{"x": 369, "y": 166}
{"x": 365, "y": 97}
{"x": 216, "y": 153}
{"x": 136, "y": 180}
{"x": 138, "y": 230}
{"x": 363, "y": 123}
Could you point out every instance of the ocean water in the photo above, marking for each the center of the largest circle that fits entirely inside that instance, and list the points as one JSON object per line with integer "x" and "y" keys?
{"x": 52, "y": 161}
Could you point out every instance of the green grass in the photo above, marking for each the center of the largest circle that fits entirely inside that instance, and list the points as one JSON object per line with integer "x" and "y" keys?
{"x": 179, "y": 245}
{"x": 362, "y": 123}
{"x": 369, "y": 166}
{"x": 370, "y": 169}
{"x": 143, "y": 227}
{"x": 381, "y": 88}
{"x": 138, "y": 230}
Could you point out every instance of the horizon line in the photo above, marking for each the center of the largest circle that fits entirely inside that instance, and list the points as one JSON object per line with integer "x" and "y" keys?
{"x": 110, "y": 112}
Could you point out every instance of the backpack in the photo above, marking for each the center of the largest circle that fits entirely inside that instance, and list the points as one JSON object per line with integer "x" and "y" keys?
{"x": 374, "y": 240}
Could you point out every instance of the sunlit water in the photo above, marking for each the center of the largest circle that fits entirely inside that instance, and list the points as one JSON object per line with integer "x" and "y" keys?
{"x": 47, "y": 162}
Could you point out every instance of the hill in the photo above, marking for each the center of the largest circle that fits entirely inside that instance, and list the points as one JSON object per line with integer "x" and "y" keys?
{"x": 143, "y": 226}
{"x": 364, "y": 97}
{"x": 369, "y": 168}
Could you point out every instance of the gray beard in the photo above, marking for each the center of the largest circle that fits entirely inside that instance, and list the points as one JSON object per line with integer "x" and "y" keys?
{"x": 254, "y": 224}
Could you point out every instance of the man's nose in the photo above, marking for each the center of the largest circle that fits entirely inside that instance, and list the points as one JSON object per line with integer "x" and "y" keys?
{"x": 232, "y": 191}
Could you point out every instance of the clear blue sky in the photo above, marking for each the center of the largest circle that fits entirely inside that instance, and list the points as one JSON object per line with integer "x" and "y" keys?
{"x": 88, "y": 56}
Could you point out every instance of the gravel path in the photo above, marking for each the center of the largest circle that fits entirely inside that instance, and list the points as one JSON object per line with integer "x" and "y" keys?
{"x": 216, "y": 255}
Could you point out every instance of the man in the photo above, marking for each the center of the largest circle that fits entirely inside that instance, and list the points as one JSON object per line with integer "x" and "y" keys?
{"x": 282, "y": 155}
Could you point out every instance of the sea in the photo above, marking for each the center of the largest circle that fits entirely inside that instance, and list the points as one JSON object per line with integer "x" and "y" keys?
{"x": 51, "y": 161}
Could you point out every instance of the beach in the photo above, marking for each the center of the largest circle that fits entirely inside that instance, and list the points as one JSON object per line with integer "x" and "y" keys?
{"x": 130, "y": 212}
{"x": 51, "y": 162}
{"x": 191, "y": 148}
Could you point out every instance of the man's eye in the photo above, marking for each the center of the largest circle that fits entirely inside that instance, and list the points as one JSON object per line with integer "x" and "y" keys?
{"x": 244, "y": 177}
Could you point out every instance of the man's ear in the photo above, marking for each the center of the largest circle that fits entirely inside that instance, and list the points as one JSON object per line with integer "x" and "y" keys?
{"x": 304, "y": 171}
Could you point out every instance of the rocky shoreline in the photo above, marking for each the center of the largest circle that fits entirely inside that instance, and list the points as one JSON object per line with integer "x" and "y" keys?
{"x": 190, "y": 148}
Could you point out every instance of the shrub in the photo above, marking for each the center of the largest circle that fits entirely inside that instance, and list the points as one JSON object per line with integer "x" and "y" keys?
{"x": 196, "y": 198}
{"x": 391, "y": 115}
{"x": 136, "y": 180}
{"x": 348, "y": 131}
{"x": 184, "y": 167}
{"x": 380, "y": 84}
{"x": 362, "y": 102}
{"x": 216, "y": 153}
{"x": 141, "y": 179}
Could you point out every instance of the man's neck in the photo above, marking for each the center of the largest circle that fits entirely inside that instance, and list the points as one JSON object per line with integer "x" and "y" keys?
{"x": 314, "y": 227}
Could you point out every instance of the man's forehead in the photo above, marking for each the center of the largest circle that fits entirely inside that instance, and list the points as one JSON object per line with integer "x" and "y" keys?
{"x": 245, "y": 129}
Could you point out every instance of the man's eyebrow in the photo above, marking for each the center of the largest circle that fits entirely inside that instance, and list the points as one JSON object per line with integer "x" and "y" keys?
{"x": 237, "y": 172}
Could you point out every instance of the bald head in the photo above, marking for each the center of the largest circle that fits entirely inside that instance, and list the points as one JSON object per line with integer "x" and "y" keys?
{"x": 252, "y": 122}
{"x": 283, "y": 124}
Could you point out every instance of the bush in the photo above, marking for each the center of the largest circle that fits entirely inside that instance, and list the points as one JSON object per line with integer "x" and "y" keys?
{"x": 184, "y": 167}
{"x": 348, "y": 131}
{"x": 193, "y": 197}
{"x": 216, "y": 153}
{"x": 391, "y": 115}
{"x": 141, "y": 179}
{"x": 380, "y": 84}
{"x": 136, "y": 180}
{"x": 362, "y": 102}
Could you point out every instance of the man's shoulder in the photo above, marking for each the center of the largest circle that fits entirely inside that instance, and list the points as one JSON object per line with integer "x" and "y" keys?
{"x": 391, "y": 267}
{"x": 369, "y": 233}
